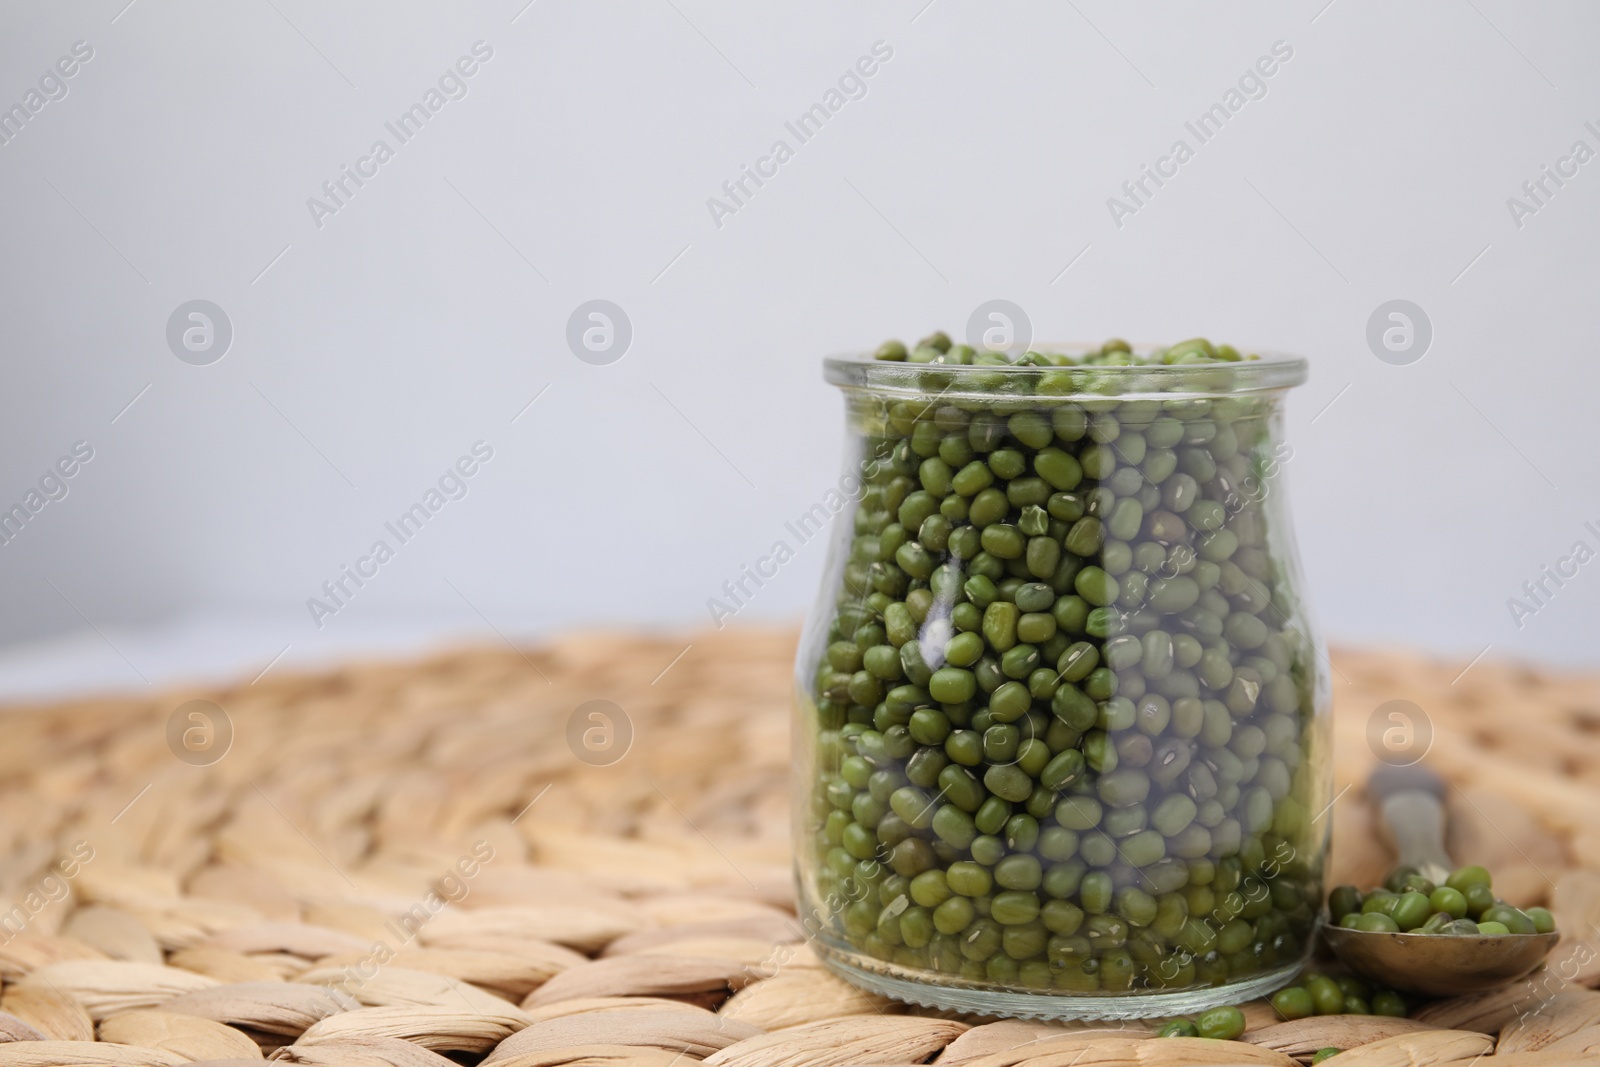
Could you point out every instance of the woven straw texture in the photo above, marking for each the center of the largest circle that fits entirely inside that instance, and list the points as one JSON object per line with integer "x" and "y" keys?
{"x": 406, "y": 864}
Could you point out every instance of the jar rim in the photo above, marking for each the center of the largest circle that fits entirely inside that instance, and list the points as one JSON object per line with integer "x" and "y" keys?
{"x": 1265, "y": 372}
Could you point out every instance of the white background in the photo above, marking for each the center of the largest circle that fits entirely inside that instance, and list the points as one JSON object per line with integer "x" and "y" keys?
{"x": 371, "y": 352}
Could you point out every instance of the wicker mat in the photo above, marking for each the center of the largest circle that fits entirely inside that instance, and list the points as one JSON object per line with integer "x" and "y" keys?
{"x": 407, "y": 864}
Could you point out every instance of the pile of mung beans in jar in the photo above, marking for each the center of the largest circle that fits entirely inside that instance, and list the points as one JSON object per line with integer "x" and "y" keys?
{"x": 1064, "y": 710}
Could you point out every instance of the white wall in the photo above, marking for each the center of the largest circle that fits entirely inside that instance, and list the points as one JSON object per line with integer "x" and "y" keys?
{"x": 426, "y": 312}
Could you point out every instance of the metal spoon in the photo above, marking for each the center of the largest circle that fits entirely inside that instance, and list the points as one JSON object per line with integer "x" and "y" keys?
{"x": 1410, "y": 800}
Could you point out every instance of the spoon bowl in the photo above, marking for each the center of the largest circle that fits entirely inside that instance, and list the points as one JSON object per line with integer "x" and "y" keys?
{"x": 1439, "y": 965}
{"x": 1410, "y": 802}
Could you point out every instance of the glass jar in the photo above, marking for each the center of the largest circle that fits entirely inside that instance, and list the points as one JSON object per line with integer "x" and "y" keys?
{"x": 1062, "y": 743}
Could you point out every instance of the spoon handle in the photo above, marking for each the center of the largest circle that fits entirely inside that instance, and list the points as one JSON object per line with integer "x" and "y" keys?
{"x": 1411, "y": 801}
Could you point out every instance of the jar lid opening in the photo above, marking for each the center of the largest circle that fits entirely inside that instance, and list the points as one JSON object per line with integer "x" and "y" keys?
{"x": 1268, "y": 371}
